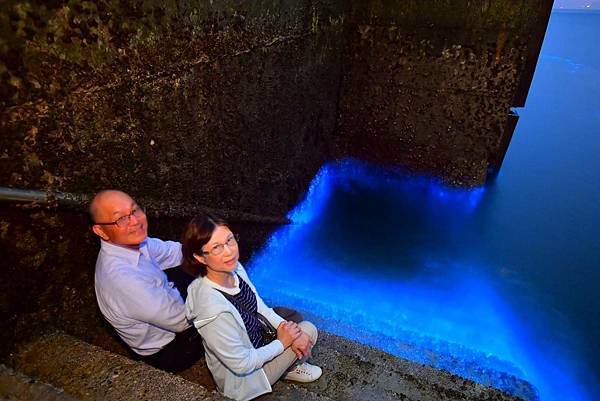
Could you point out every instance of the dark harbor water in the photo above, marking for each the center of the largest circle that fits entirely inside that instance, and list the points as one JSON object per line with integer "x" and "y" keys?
{"x": 504, "y": 278}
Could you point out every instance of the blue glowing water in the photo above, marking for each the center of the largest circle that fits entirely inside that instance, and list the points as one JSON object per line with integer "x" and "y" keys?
{"x": 479, "y": 282}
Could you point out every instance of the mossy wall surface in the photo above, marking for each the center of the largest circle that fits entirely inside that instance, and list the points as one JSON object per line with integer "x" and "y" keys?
{"x": 235, "y": 105}
{"x": 429, "y": 84}
{"x": 227, "y": 104}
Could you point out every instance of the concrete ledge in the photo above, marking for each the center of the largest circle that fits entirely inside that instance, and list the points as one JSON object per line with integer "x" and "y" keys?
{"x": 16, "y": 386}
{"x": 88, "y": 372}
{"x": 351, "y": 372}
{"x": 357, "y": 372}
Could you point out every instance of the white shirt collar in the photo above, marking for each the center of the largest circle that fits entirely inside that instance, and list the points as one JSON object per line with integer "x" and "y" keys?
{"x": 130, "y": 254}
{"x": 231, "y": 291}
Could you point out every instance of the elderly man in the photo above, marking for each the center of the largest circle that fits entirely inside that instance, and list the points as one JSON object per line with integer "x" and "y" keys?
{"x": 132, "y": 289}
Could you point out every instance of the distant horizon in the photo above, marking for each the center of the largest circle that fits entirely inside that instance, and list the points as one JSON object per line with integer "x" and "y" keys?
{"x": 583, "y": 10}
{"x": 576, "y": 5}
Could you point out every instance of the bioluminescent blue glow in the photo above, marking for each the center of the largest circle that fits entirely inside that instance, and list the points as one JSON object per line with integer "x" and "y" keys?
{"x": 426, "y": 189}
{"x": 364, "y": 255}
{"x": 498, "y": 285}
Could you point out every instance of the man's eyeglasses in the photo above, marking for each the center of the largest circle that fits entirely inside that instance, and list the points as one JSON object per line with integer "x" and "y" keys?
{"x": 217, "y": 249}
{"x": 123, "y": 221}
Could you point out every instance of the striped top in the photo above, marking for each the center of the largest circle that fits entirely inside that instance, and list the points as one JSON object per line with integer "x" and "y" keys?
{"x": 245, "y": 303}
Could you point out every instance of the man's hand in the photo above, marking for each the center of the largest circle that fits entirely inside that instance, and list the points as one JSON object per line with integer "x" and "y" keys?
{"x": 302, "y": 346}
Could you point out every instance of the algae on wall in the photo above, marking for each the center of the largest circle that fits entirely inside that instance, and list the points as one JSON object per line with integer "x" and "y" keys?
{"x": 235, "y": 105}
{"x": 226, "y": 104}
{"x": 429, "y": 85}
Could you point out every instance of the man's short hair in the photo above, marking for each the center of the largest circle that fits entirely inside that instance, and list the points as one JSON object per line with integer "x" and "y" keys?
{"x": 93, "y": 209}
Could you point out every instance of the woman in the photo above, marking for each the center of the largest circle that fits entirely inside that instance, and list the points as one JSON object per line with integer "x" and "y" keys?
{"x": 224, "y": 306}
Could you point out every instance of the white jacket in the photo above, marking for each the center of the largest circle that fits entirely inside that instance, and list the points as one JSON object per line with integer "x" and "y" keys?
{"x": 233, "y": 361}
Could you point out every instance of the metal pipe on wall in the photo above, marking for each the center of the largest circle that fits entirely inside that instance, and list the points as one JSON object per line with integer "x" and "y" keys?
{"x": 16, "y": 195}
{"x": 32, "y": 195}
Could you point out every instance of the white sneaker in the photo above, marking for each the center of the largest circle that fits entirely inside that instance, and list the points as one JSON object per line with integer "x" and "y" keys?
{"x": 304, "y": 372}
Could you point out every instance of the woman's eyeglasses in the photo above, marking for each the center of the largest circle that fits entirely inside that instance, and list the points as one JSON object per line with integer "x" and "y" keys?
{"x": 217, "y": 249}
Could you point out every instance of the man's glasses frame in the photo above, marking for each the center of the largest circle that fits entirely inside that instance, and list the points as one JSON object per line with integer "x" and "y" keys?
{"x": 123, "y": 221}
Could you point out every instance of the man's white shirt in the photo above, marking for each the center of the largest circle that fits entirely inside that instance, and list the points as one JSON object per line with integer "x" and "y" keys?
{"x": 135, "y": 295}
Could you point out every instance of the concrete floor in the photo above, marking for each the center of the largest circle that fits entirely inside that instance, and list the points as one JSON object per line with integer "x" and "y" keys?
{"x": 61, "y": 367}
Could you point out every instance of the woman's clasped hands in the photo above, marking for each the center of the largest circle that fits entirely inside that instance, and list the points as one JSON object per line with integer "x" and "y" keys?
{"x": 290, "y": 334}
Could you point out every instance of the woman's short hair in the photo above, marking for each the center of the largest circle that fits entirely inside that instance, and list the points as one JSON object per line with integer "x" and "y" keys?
{"x": 195, "y": 235}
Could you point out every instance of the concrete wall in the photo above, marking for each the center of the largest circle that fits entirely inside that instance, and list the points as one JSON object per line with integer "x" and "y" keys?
{"x": 235, "y": 104}
{"x": 228, "y": 104}
{"x": 429, "y": 84}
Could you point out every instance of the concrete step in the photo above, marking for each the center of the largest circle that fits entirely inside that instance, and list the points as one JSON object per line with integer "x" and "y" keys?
{"x": 15, "y": 386}
{"x": 87, "y": 372}
{"x": 359, "y": 372}
{"x": 351, "y": 372}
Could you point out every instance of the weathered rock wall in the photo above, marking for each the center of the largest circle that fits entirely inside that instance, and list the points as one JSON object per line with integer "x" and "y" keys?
{"x": 429, "y": 84}
{"x": 235, "y": 105}
{"x": 228, "y": 104}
